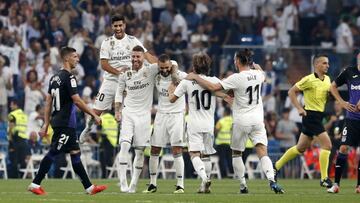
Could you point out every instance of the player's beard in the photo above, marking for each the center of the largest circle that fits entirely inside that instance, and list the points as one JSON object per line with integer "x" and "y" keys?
{"x": 165, "y": 74}
{"x": 136, "y": 65}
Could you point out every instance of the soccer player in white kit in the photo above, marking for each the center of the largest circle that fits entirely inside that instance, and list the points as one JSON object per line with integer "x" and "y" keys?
{"x": 248, "y": 115}
{"x": 135, "y": 116}
{"x": 115, "y": 57}
{"x": 200, "y": 124}
{"x": 168, "y": 125}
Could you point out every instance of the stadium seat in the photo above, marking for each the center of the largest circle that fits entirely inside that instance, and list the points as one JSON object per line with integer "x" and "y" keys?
{"x": 3, "y": 165}
{"x": 215, "y": 167}
{"x": 253, "y": 166}
{"x": 305, "y": 169}
{"x": 115, "y": 168}
{"x": 166, "y": 165}
{"x": 33, "y": 161}
{"x": 68, "y": 168}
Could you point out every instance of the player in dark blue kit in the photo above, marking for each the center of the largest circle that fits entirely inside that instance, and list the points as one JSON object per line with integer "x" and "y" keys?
{"x": 61, "y": 100}
{"x": 351, "y": 130}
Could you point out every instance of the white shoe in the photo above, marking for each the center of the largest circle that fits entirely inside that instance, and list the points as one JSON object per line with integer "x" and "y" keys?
{"x": 124, "y": 187}
{"x": 132, "y": 189}
{"x": 334, "y": 189}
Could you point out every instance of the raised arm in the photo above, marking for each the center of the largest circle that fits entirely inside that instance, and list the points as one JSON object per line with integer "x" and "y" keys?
{"x": 204, "y": 83}
{"x": 151, "y": 58}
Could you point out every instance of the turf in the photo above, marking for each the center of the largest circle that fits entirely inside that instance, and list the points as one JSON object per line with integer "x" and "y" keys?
{"x": 222, "y": 191}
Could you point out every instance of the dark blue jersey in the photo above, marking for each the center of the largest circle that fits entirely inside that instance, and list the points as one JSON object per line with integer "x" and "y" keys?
{"x": 351, "y": 77}
{"x": 61, "y": 87}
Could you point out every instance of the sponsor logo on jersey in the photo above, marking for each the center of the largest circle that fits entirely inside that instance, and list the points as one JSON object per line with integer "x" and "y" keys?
{"x": 355, "y": 87}
{"x": 73, "y": 82}
{"x": 355, "y": 76}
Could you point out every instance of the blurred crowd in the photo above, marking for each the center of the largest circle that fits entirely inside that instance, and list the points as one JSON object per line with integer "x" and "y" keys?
{"x": 32, "y": 31}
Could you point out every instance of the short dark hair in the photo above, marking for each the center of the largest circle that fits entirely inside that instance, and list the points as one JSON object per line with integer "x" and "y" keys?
{"x": 286, "y": 110}
{"x": 66, "y": 51}
{"x": 201, "y": 63}
{"x": 138, "y": 48}
{"x": 164, "y": 57}
{"x": 245, "y": 56}
{"x": 317, "y": 56}
{"x": 115, "y": 18}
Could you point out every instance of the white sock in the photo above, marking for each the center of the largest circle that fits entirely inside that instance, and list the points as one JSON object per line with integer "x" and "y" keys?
{"x": 199, "y": 167}
{"x": 34, "y": 185}
{"x": 138, "y": 166}
{"x": 239, "y": 169}
{"x": 123, "y": 158}
{"x": 89, "y": 189}
{"x": 208, "y": 166}
{"x": 267, "y": 167}
{"x": 179, "y": 167}
{"x": 153, "y": 167}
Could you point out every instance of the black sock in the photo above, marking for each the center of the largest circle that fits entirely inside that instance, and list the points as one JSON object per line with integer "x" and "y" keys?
{"x": 339, "y": 166}
{"x": 79, "y": 170}
{"x": 358, "y": 183}
{"x": 44, "y": 167}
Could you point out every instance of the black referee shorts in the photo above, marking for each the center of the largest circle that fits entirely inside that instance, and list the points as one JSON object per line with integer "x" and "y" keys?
{"x": 64, "y": 140}
{"x": 312, "y": 123}
{"x": 351, "y": 133}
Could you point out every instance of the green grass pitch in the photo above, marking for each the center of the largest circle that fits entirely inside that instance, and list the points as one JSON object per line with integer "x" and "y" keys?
{"x": 221, "y": 191}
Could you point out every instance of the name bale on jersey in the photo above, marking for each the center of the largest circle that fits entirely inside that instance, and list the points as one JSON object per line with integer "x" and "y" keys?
{"x": 251, "y": 77}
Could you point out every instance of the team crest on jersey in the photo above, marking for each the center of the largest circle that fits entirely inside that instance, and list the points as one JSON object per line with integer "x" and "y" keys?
{"x": 158, "y": 78}
{"x": 112, "y": 44}
{"x": 128, "y": 75}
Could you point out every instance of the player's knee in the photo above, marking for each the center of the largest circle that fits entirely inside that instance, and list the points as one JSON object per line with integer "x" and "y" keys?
{"x": 155, "y": 151}
{"x": 176, "y": 151}
{"x": 75, "y": 158}
{"x": 194, "y": 154}
{"x": 236, "y": 153}
{"x": 51, "y": 155}
{"x": 261, "y": 150}
{"x": 343, "y": 149}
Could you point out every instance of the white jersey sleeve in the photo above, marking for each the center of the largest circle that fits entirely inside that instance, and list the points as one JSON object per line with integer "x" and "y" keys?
{"x": 104, "y": 49}
{"x": 181, "y": 88}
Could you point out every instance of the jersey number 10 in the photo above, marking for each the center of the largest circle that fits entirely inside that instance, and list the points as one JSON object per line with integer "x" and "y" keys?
{"x": 55, "y": 94}
{"x": 204, "y": 93}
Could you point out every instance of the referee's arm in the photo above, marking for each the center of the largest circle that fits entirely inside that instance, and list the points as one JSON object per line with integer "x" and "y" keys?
{"x": 293, "y": 91}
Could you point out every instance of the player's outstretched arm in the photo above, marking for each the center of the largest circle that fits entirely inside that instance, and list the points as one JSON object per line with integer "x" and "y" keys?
{"x": 204, "y": 83}
{"x": 47, "y": 113}
{"x": 150, "y": 58}
{"x": 346, "y": 105}
{"x": 293, "y": 91}
{"x": 82, "y": 106}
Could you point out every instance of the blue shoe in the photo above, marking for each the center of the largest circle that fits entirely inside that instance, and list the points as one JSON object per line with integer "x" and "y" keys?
{"x": 276, "y": 188}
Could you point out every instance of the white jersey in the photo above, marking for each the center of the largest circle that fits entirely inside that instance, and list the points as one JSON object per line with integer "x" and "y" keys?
{"x": 162, "y": 84}
{"x": 139, "y": 87}
{"x": 248, "y": 107}
{"x": 202, "y": 104}
{"x": 118, "y": 52}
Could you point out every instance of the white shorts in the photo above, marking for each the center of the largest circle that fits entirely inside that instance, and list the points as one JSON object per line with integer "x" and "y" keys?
{"x": 256, "y": 133}
{"x": 168, "y": 128}
{"x": 135, "y": 128}
{"x": 200, "y": 141}
{"x": 106, "y": 95}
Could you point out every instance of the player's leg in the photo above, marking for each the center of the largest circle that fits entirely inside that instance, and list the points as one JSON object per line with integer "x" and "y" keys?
{"x": 141, "y": 139}
{"x": 239, "y": 170}
{"x": 45, "y": 165}
{"x": 208, "y": 140}
{"x": 238, "y": 144}
{"x": 137, "y": 168}
{"x": 303, "y": 143}
{"x": 179, "y": 168}
{"x": 103, "y": 101}
{"x": 341, "y": 160}
{"x": 153, "y": 169}
{"x": 126, "y": 136}
{"x": 325, "y": 144}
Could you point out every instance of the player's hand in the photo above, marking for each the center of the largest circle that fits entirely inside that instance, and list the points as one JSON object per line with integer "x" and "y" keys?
{"x": 191, "y": 76}
{"x": 229, "y": 99}
{"x": 97, "y": 120}
{"x": 256, "y": 66}
{"x": 349, "y": 107}
{"x": 171, "y": 88}
{"x": 333, "y": 118}
{"x": 122, "y": 69}
{"x": 302, "y": 112}
{"x": 358, "y": 105}
{"x": 43, "y": 131}
{"x": 118, "y": 116}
